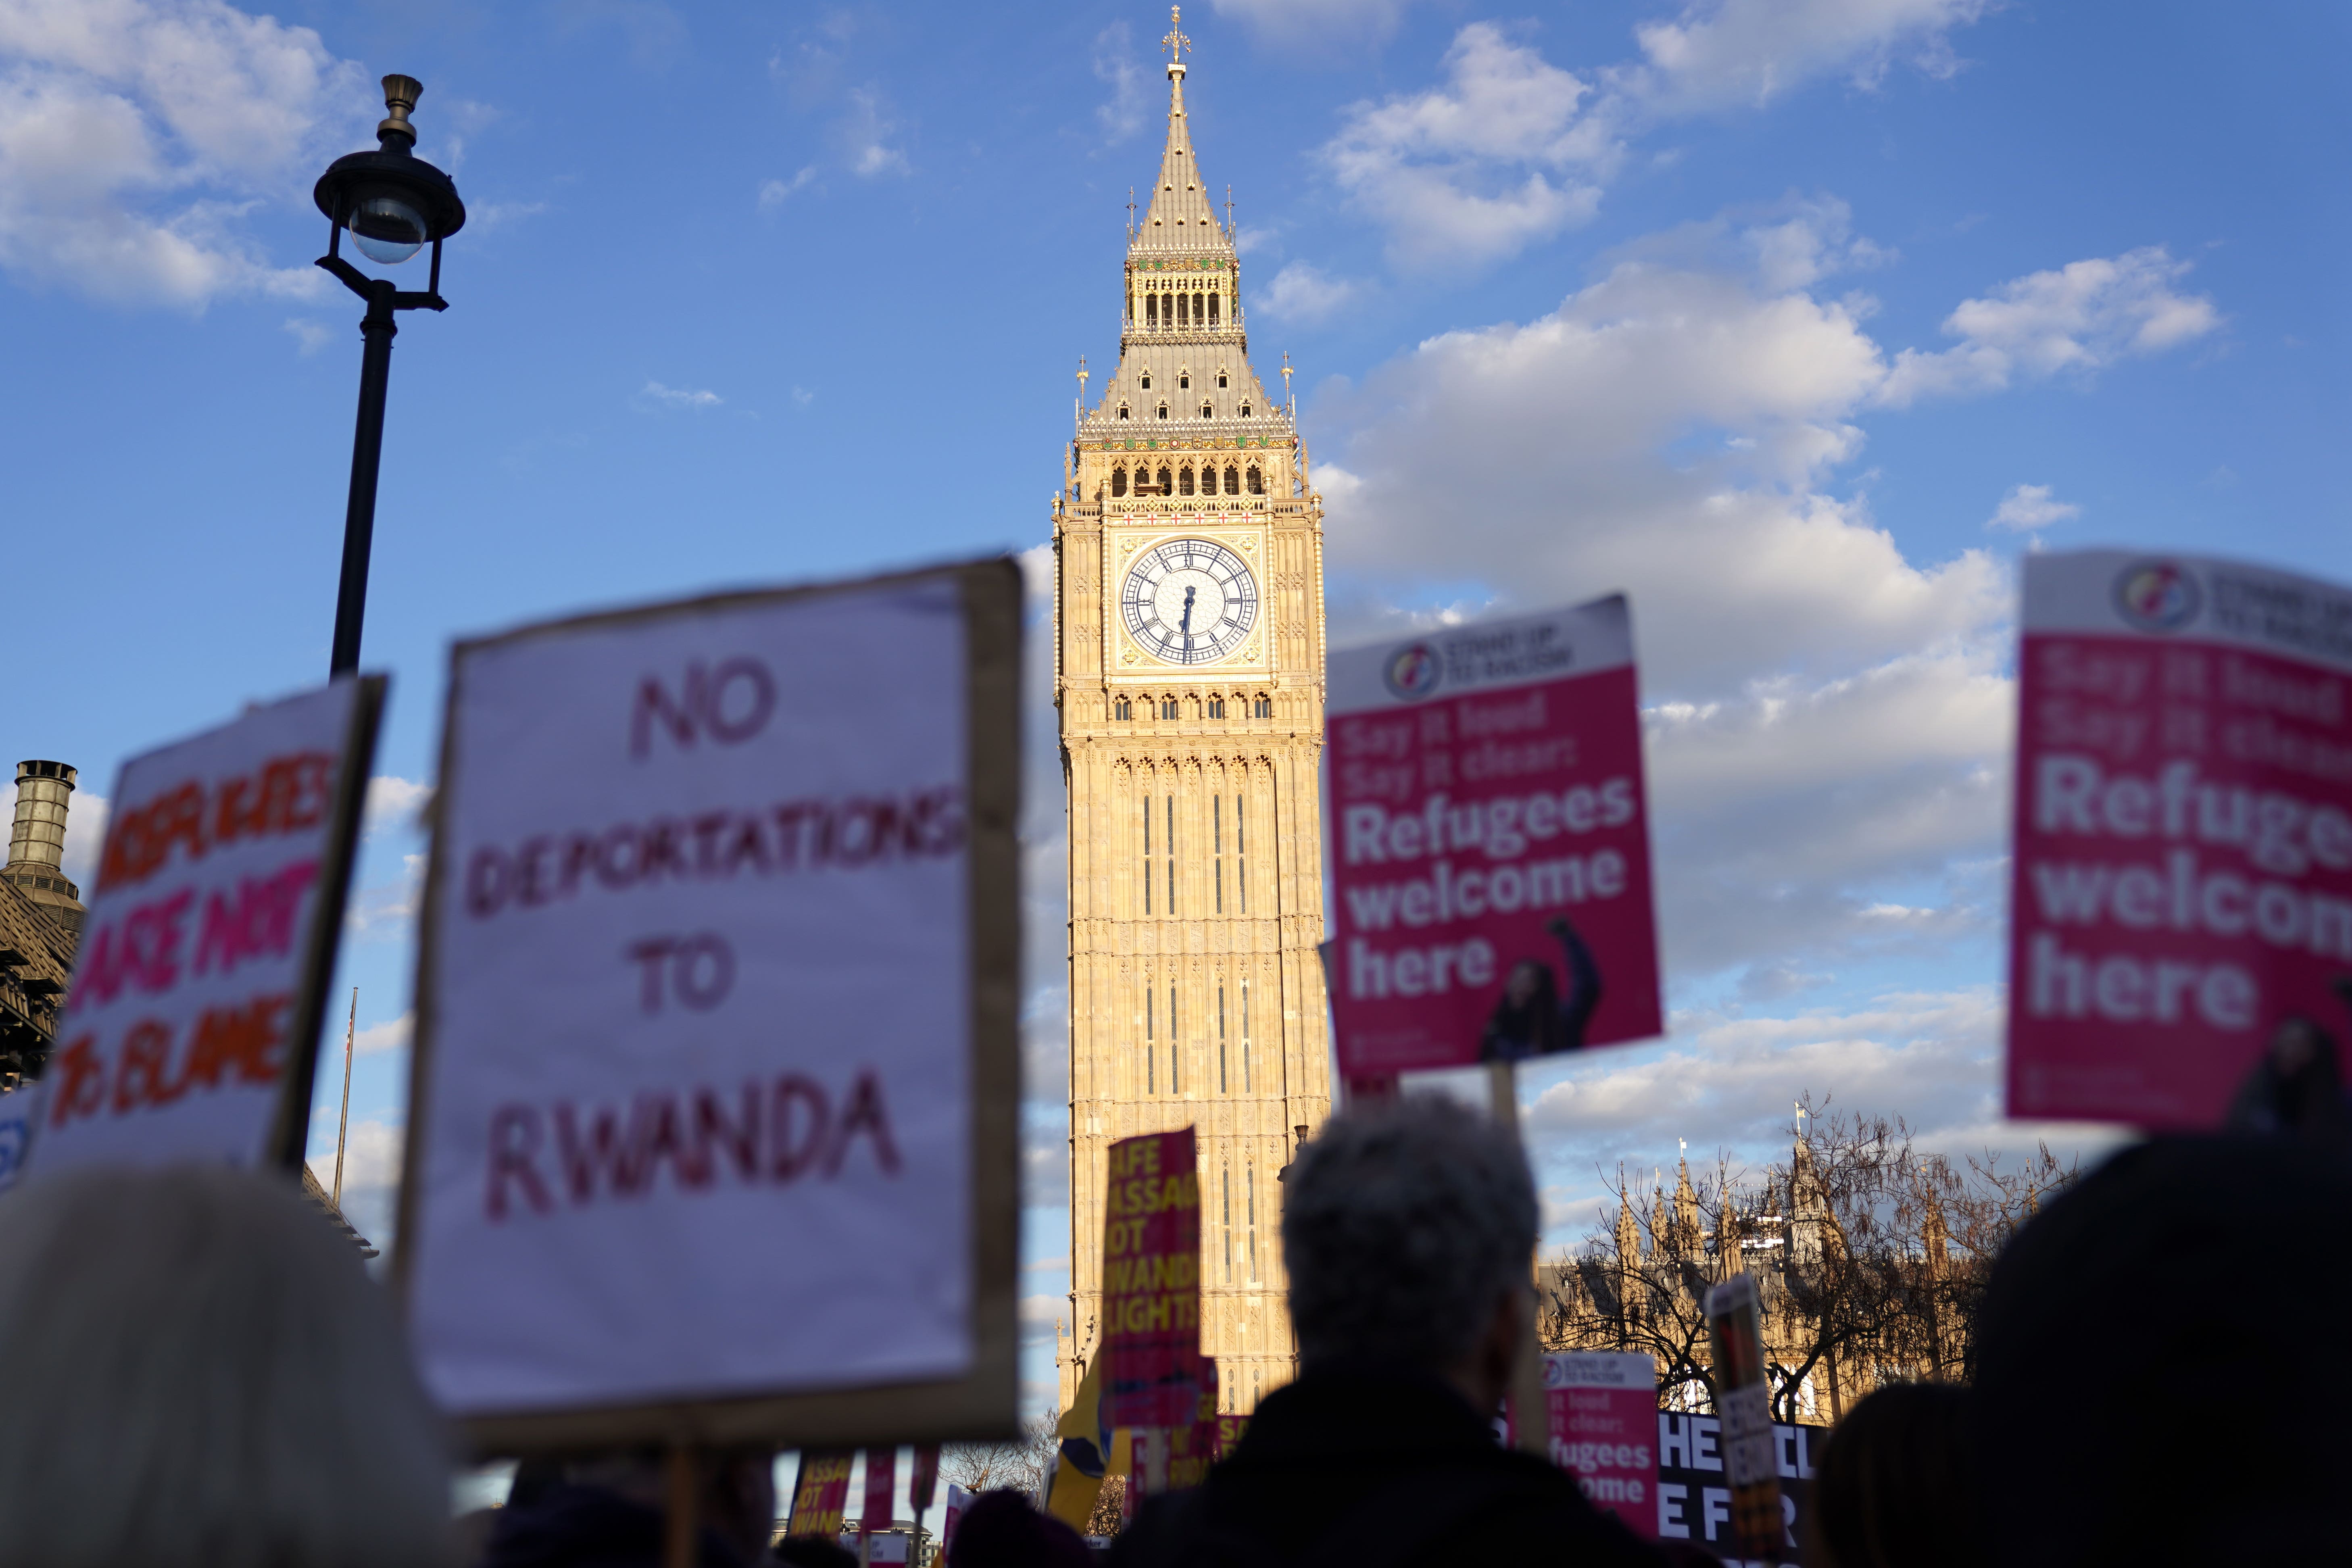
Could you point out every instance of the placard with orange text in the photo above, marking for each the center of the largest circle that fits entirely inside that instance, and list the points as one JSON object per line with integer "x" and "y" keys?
{"x": 715, "y": 1077}
{"x": 192, "y": 1026}
{"x": 2183, "y": 874}
{"x": 1490, "y": 845}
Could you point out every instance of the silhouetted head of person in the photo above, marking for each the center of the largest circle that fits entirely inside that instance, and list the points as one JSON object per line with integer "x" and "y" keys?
{"x": 1000, "y": 1529}
{"x": 1531, "y": 985}
{"x": 814, "y": 1551}
{"x": 1895, "y": 1488}
{"x": 2295, "y": 1088}
{"x": 1408, "y": 1227}
{"x": 2156, "y": 1373}
{"x": 200, "y": 1375}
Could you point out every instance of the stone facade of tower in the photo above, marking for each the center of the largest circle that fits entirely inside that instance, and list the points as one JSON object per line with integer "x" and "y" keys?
{"x": 1188, "y": 635}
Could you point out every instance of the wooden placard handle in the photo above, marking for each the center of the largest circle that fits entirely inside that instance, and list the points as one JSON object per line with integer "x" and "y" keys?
{"x": 679, "y": 1522}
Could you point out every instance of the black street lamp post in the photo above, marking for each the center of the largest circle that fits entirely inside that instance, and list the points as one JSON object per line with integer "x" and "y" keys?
{"x": 395, "y": 203}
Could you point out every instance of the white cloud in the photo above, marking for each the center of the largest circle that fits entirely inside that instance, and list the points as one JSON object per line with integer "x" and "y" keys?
{"x": 1725, "y": 1081}
{"x": 776, "y": 193}
{"x": 371, "y": 1152}
{"x": 392, "y": 1035}
{"x": 384, "y": 911}
{"x": 1116, "y": 67}
{"x": 309, "y": 336}
{"x": 1252, "y": 236}
{"x": 1750, "y": 51}
{"x": 1779, "y": 809}
{"x": 1512, "y": 149}
{"x": 1306, "y": 294}
{"x": 1829, "y": 717}
{"x": 2029, "y": 507}
{"x": 85, "y": 838}
{"x": 1038, "y": 1315}
{"x": 1725, "y": 1078}
{"x": 1045, "y": 1162}
{"x": 865, "y": 133}
{"x": 2075, "y": 320}
{"x": 395, "y": 803}
{"x": 371, "y": 1159}
{"x": 1532, "y": 456}
{"x": 488, "y": 215}
{"x": 1815, "y": 241}
{"x": 679, "y": 397}
{"x": 1476, "y": 169}
{"x": 801, "y": 396}
{"x": 135, "y": 135}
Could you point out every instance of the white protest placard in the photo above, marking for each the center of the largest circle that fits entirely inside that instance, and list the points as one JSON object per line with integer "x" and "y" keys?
{"x": 190, "y": 1030}
{"x": 17, "y": 1109}
{"x": 715, "y": 1074}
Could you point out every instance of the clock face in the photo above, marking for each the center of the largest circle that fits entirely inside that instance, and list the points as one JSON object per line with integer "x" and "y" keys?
{"x": 1189, "y": 601}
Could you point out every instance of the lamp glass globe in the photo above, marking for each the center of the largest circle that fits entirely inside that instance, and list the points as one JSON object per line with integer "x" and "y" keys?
{"x": 388, "y": 230}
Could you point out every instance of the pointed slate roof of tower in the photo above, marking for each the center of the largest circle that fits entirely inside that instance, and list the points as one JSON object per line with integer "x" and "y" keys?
{"x": 1180, "y": 215}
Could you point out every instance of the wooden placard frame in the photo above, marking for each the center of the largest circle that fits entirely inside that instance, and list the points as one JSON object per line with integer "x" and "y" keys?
{"x": 984, "y": 1402}
{"x": 288, "y": 1143}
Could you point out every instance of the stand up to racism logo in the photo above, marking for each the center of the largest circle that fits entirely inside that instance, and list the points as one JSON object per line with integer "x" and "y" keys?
{"x": 1413, "y": 671}
{"x": 2157, "y": 595}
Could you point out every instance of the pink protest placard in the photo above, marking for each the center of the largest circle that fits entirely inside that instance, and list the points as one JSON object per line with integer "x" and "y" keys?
{"x": 2183, "y": 868}
{"x": 1151, "y": 1282}
{"x": 1490, "y": 849}
{"x": 192, "y": 1024}
{"x": 1604, "y": 1426}
{"x": 881, "y": 1486}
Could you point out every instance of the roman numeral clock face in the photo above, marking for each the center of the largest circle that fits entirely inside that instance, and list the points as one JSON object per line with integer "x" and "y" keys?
{"x": 1189, "y": 602}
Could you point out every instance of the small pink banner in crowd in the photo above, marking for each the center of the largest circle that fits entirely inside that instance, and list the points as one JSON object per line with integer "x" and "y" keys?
{"x": 881, "y": 1486}
{"x": 1604, "y": 1407}
{"x": 2183, "y": 868}
{"x": 1490, "y": 851}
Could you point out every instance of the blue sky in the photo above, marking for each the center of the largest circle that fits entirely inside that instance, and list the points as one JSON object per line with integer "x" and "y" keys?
{"x": 1798, "y": 320}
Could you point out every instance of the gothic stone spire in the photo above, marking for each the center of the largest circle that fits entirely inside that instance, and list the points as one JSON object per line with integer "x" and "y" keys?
{"x": 1179, "y": 216}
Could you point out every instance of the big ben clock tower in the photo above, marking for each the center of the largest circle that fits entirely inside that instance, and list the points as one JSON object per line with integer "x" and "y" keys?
{"x": 1188, "y": 638}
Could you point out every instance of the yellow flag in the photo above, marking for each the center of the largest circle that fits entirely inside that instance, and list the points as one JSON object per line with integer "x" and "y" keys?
{"x": 1071, "y": 1498}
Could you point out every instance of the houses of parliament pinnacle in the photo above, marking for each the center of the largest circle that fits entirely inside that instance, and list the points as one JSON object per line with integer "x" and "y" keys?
{"x": 1188, "y": 674}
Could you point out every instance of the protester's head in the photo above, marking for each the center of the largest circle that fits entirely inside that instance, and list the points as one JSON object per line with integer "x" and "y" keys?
{"x": 1896, "y": 1487}
{"x": 1530, "y": 983}
{"x": 2158, "y": 1372}
{"x": 1000, "y": 1529}
{"x": 199, "y": 1374}
{"x": 814, "y": 1551}
{"x": 735, "y": 1488}
{"x": 1409, "y": 1227}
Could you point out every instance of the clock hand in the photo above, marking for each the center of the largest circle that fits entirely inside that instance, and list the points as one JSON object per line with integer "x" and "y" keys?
{"x": 1185, "y": 625}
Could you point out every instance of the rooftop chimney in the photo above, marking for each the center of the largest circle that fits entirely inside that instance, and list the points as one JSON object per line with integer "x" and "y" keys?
{"x": 37, "y": 841}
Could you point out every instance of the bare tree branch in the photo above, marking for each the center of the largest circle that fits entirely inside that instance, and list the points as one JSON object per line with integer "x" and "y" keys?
{"x": 1869, "y": 1255}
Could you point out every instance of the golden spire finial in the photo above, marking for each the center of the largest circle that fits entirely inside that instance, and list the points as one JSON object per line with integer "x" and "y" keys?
{"x": 1175, "y": 43}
